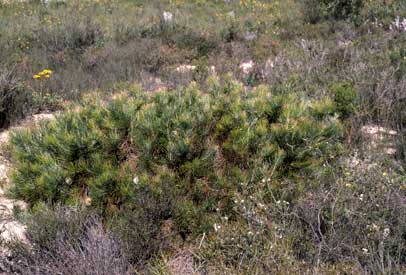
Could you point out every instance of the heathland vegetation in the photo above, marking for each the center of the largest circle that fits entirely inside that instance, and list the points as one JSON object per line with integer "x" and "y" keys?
{"x": 206, "y": 137}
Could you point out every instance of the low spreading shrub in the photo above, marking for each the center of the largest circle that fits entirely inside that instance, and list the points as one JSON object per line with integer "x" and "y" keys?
{"x": 246, "y": 177}
{"x": 200, "y": 144}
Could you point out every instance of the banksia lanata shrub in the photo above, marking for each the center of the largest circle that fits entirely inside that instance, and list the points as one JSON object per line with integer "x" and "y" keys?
{"x": 187, "y": 146}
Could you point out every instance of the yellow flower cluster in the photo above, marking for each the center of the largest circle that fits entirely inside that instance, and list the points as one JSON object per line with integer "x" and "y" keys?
{"x": 43, "y": 74}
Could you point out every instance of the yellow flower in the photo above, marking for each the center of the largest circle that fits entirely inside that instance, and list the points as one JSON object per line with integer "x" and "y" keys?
{"x": 47, "y": 75}
{"x": 384, "y": 174}
{"x": 36, "y": 76}
{"x": 42, "y": 73}
{"x": 348, "y": 185}
{"x": 47, "y": 71}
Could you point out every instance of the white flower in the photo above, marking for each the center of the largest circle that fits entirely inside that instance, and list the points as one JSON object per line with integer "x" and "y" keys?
{"x": 365, "y": 250}
{"x": 185, "y": 68}
{"x": 375, "y": 227}
{"x": 249, "y": 36}
{"x": 136, "y": 180}
{"x": 231, "y": 14}
{"x": 68, "y": 181}
{"x": 213, "y": 70}
{"x": 216, "y": 227}
{"x": 168, "y": 16}
{"x": 398, "y": 24}
{"x": 247, "y": 67}
{"x": 386, "y": 233}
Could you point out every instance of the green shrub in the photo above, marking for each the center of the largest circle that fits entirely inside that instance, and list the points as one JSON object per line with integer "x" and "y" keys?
{"x": 344, "y": 98}
{"x": 398, "y": 59}
{"x": 15, "y": 100}
{"x": 400, "y": 119}
{"x": 197, "y": 143}
{"x": 343, "y": 9}
{"x": 401, "y": 146}
{"x": 88, "y": 139}
{"x": 335, "y": 9}
{"x": 384, "y": 11}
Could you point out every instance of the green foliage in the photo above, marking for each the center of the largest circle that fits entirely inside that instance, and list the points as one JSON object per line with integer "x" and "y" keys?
{"x": 401, "y": 146}
{"x": 398, "y": 60}
{"x": 73, "y": 155}
{"x": 257, "y": 164}
{"x": 342, "y": 9}
{"x": 344, "y": 98}
{"x": 193, "y": 141}
{"x": 356, "y": 11}
{"x": 335, "y": 9}
{"x": 385, "y": 11}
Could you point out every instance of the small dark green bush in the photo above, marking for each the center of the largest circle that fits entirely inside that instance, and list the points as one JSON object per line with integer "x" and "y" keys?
{"x": 332, "y": 9}
{"x": 344, "y": 98}
{"x": 343, "y": 9}
{"x": 401, "y": 145}
{"x": 186, "y": 38}
{"x": 398, "y": 60}
{"x": 197, "y": 143}
{"x": 15, "y": 100}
